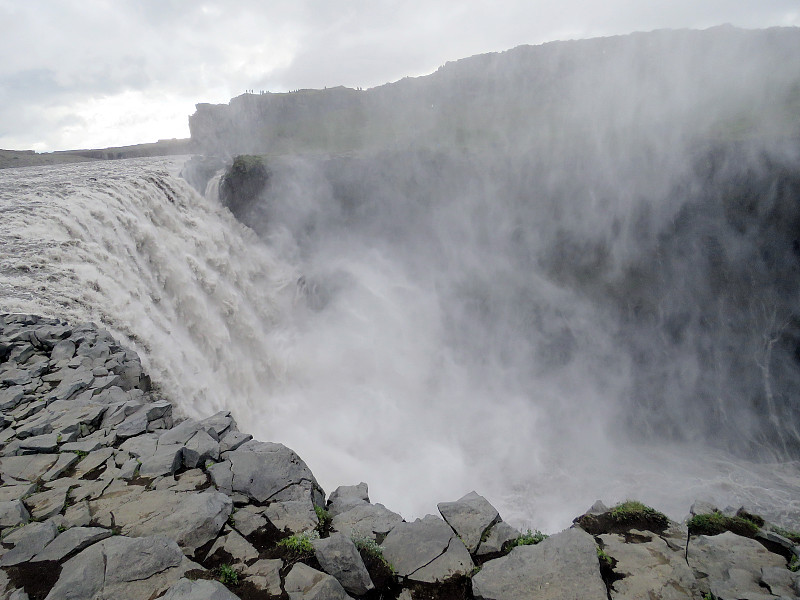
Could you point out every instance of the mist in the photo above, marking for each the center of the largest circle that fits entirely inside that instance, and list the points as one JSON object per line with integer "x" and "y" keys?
{"x": 571, "y": 272}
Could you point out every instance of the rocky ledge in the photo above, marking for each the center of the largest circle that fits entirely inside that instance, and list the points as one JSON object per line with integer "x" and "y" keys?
{"x": 106, "y": 495}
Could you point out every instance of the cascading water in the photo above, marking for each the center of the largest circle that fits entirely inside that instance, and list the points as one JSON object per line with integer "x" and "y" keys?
{"x": 426, "y": 347}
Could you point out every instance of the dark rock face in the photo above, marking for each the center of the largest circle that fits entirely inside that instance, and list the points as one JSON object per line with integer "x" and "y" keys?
{"x": 242, "y": 184}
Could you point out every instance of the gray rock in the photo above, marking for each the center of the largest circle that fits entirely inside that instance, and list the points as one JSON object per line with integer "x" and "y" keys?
{"x": 77, "y": 515}
{"x": 266, "y": 471}
{"x": 305, "y": 583}
{"x": 47, "y": 504}
{"x": 265, "y": 575}
{"x": 71, "y": 541}
{"x": 10, "y": 492}
{"x": 13, "y": 513}
{"x": 28, "y": 541}
{"x": 40, "y": 444}
{"x": 202, "y": 589}
{"x": 75, "y": 382}
{"x": 779, "y": 580}
{"x": 426, "y": 550}
{"x": 367, "y": 520}
{"x": 470, "y": 517}
{"x": 133, "y": 425}
{"x": 28, "y": 468}
{"x": 10, "y": 397}
{"x": 185, "y": 482}
{"x": 141, "y": 446}
{"x": 190, "y": 518}
{"x": 222, "y": 476}
{"x": 232, "y": 440}
{"x": 63, "y": 350}
{"x": 346, "y": 497}
{"x": 234, "y": 544}
{"x": 650, "y": 568}
{"x": 295, "y": 515}
{"x": 248, "y": 519}
{"x": 702, "y": 507}
{"x": 775, "y": 538}
{"x": 499, "y": 534}
{"x": 563, "y": 567}
{"x": 121, "y": 567}
{"x": 166, "y": 461}
{"x": 338, "y": 556}
{"x": 729, "y": 566}
{"x": 217, "y": 425}
{"x": 64, "y": 462}
{"x": 181, "y": 433}
{"x": 200, "y": 448}
{"x": 93, "y": 461}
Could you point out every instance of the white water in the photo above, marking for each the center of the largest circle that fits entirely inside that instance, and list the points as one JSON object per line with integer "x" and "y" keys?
{"x": 364, "y": 389}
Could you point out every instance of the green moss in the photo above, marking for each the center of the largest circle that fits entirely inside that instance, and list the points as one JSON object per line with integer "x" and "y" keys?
{"x": 632, "y": 511}
{"x": 716, "y": 523}
{"x": 787, "y": 533}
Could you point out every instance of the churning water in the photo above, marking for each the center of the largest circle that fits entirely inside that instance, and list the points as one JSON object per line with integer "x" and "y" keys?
{"x": 417, "y": 358}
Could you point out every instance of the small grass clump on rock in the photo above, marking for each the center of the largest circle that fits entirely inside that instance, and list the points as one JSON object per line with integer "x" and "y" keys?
{"x": 529, "y": 538}
{"x": 325, "y": 520}
{"x": 715, "y": 523}
{"x": 228, "y": 576}
{"x": 632, "y": 511}
{"x": 794, "y": 536}
{"x": 298, "y": 544}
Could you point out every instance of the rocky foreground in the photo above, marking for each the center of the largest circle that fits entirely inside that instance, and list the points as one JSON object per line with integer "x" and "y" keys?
{"x": 105, "y": 495}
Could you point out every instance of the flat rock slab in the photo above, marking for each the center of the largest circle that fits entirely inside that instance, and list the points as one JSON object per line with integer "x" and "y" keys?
{"x": 13, "y": 513}
{"x": 305, "y": 583}
{"x": 47, "y": 504}
{"x": 28, "y": 541}
{"x": 339, "y": 557}
{"x": 650, "y": 568}
{"x": 297, "y": 516}
{"x": 122, "y": 567}
{"x": 729, "y": 566}
{"x": 72, "y": 540}
{"x": 29, "y": 468}
{"x": 266, "y": 575}
{"x": 367, "y": 520}
{"x": 470, "y": 517}
{"x": 562, "y": 567}
{"x": 426, "y": 550}
{"x": 190, "y": 518}
{"x": 346, "y": 497}
{"x": 201, "y": 589}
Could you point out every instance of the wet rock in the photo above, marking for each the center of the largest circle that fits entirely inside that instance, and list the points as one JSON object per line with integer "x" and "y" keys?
{"x": 562, "y": 567}
{"x": 338, "y": 556}
{"x": 426, "y": 550}
{"x": 470, "y": 517}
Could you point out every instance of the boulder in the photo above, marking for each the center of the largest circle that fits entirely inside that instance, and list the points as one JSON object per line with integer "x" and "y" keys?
{"x": 265, "y": 575}
{"x": 346, "y": 497}
{"x": 232, "y": 440}
{"x": 200, "y": 448}
{"x": 305, "y": 583}
{"x": 367, "y": 520}
{"x": 499, "y": 534}
{"x": 13, "y": 513}
{"x": 248, "y": 519}
{"x": 563, "y": 567}
{"x": 44, "y": 505}
{"x": 28, "y": 468}
{"x": 729, "y": 565}
{"x": 426, "y": 550}
{"x": 339, "y": 557}
{"x": 295, "y": 515}
{"x": 122, "y": 567}
{"x": 470, "y": 517}
{"x": 234, "y": 544}
{"x": 28, "y": 542}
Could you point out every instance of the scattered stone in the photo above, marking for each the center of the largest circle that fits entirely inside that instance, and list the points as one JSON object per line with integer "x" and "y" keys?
{"x": 338, "y": 556}
{"x": 367, "y": 520}
{"x": 13, "y": 513}
{"x": 40, "y": 444}
{"x": 265, "y": 575}
{"x": 426, "y": 550}
{"x": 93, "y": 461}
{"x": 16, "y": 492}
{"x": 64, "y": 462}
{"x": 44, "y": 505}
{"x": 470, "y": 517}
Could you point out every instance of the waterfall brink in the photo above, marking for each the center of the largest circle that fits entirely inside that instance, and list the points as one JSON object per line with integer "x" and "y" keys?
{"x": 428, "y": 348}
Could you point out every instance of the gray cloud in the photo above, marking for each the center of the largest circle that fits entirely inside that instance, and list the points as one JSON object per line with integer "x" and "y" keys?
{"x": 66, "y": 57}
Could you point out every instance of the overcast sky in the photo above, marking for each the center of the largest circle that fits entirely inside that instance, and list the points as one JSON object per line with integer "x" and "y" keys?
{"x": 97, "y": 73}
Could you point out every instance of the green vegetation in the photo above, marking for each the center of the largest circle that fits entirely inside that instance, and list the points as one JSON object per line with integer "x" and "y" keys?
{"x": 604, "y": 558}
{"x": 787, "y": 533}
{"x": 716, "y": 523}
{"x": 794, "y": 564}
{"x": 228, "y": 575}
{"x": 709, "y": 596}
{"x": 368, "y": 547}
{"x": 81, "y": 453}
{"x": 325, "y": 520}
{"x": 529, "y": 538}
{"x": 298, "y": 544}
{"x": 632, "y": 511}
